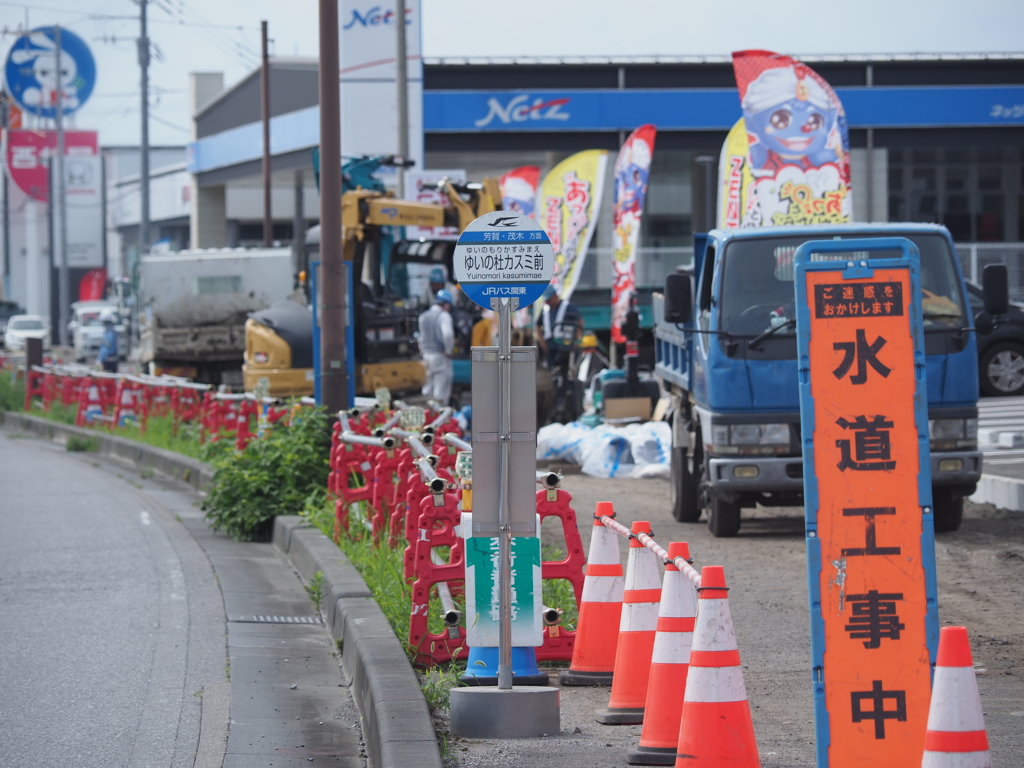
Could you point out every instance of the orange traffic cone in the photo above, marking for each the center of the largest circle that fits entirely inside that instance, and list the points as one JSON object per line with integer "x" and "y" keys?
{"x": 956, "y": 735}
{"x": 597, "y": 630}
{"x": 669, "y": 663}
{"x": 716, "y": 729}
{"x": 637, "y": 628}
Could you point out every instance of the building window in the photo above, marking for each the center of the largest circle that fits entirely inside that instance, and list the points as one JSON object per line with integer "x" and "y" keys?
{"x": 963, "y": 189}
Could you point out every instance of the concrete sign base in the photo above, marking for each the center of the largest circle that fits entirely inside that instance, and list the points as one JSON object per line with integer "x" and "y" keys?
{"x": 515, "y": 713}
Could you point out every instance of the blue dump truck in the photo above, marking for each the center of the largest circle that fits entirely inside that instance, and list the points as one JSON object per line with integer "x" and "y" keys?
{"x": 725, "y": 350}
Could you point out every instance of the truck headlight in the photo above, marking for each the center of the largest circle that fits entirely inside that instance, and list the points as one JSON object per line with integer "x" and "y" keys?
{"x": 749, "y": 438}
{"x": 952, "y": 434}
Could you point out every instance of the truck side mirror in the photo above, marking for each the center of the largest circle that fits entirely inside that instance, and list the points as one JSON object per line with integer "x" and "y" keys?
{"x": 996, "y": 289}
{"x": 678, "y": 304}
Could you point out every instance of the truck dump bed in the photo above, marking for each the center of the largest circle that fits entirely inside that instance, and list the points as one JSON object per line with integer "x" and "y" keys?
{"x": 195, "y": 303}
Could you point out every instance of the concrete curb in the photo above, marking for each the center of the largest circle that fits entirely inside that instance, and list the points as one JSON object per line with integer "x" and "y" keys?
{"x": 397, "y": 728}
{"x": 192, "y": 471}
{"x": 1004, "y": 492}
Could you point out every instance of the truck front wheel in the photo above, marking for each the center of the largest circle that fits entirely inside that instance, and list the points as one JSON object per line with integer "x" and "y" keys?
{"x": 684, "y": 485}
{"x": 723, "y": 518}
{"x": 947, "y": 508}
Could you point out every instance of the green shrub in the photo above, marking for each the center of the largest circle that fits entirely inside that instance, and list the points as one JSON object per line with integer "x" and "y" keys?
{"x": 272, "y": 476}
{"x": 12, "y": 392}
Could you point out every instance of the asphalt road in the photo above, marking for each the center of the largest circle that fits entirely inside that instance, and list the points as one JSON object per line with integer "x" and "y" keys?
{"x": 112, "y": 618}
{"x": 132, "y": 635}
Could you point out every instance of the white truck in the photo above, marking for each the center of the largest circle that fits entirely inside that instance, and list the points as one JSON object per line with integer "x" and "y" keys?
{"x": 195, "y": 304}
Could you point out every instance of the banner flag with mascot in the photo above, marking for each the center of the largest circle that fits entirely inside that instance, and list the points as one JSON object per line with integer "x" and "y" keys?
{"x": 567, "y": 208}
{"x": 632, "y": 169}
{"x": 787, "y": 160}
{"x": 519, "y": 190}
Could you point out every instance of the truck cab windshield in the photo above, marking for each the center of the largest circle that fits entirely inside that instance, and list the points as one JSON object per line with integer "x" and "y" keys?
{"x": 757, "y": 292}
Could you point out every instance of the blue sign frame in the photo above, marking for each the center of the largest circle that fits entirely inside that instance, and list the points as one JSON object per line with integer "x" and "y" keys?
{"x": 911, "y": 261}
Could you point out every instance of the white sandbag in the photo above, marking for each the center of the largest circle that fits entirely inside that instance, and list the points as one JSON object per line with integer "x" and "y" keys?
{"x": 646, "y": 471}
{"x": 651, "y": 442}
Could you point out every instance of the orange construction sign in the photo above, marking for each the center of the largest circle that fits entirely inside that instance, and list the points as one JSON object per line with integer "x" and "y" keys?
{"x": 867, "y": 491}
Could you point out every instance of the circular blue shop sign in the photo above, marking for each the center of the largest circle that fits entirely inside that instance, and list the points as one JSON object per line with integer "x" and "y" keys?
{"x": 504, "y": 255}
{"x": 31, "y": 71}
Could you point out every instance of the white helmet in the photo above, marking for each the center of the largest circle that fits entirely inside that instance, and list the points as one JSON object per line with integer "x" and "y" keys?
{"x": 108, "y": 316}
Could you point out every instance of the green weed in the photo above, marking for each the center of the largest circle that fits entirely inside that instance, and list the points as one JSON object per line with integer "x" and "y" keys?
{"x": 315, "y": 589}
{"x": 77, "y": 443}
{"x": 437, "y": 684}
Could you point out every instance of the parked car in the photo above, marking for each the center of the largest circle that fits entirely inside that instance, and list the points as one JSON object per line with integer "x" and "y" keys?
{"x": 8, "y": 309}
{"x": 86, "y": 328}
{"x": 1001, "y": 352}
{"x": 21, "y": 327}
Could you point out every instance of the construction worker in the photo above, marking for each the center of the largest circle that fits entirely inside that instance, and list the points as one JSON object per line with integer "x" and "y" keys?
{"x": 437, "y": 282}
{"x": 107, "y": 355}
{"x": 437, "y": 345}
{"x": 559, "y": 328}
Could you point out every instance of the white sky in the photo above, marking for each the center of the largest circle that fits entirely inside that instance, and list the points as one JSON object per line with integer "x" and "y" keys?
{"x": 223, "y": 35}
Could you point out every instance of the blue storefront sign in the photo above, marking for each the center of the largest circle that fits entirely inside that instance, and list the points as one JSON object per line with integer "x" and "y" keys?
{"x": 708, "y": 109}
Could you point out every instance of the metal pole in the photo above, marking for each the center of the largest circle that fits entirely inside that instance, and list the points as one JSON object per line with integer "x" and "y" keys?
{"x": 334, "y": 378}
{"x": 268, "y": 219}
{"x": 7, "y": 234}
{"x": 504, "y": 308}
{"x": 144, "y": 142}
{"x": 299, "y": 228}
{"x": 707, "y": 162}
{"x": 401, "y": 76}
{"x": 57, "y": 195}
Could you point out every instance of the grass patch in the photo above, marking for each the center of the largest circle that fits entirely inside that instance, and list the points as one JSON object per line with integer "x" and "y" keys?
{"x": 78, "y": 443}
{"x": 160, "y": 433}
{"x": 12, "y": 392}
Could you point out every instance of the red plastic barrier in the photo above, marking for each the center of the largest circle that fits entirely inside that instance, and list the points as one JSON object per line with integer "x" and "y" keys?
{"x": 436, "y": 528}
{"x": 558, "y": 642}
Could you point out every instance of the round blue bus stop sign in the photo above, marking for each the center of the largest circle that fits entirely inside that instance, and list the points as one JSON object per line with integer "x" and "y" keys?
{"x": 504, "y": 255}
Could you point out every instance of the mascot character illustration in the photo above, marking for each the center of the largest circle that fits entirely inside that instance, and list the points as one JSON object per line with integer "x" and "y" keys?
{"x": 789, "y": 119}
{"x": 631, "y": 176}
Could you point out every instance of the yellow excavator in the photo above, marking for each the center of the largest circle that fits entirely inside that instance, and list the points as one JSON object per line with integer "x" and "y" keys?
{"x": 386, "y": 302}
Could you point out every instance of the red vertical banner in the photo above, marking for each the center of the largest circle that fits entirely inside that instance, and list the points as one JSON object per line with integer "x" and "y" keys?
{"x": 870, "y": 545}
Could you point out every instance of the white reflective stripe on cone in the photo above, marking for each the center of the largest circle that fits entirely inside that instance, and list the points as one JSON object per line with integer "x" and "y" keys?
{"x": 713, "y": 630}
{"x": 715, "y": 684}
{"x": 956, "y": 760}
{"x": 678, "y": 596}
{"x": 956, "y": 705}
{"x": 603, "y": 589}
{"x": 604, "y": 547}
{"x": 639, "y": 617}
{"x": 644, "y": 573}
{"x": 672, "y": 648}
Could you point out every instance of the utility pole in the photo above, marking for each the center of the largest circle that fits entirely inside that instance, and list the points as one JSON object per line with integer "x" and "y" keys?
{"x": 334, "y": 278}
{"x": 268, "y": 219}
{"x": 144, "y": 143}
{"x": 57, "y": 196}
{"x": 401, "y": 83}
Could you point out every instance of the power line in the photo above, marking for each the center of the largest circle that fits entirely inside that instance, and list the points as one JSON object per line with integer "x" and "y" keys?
{"x": 201, "y": 27}
{"x": 112, "y": 17}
